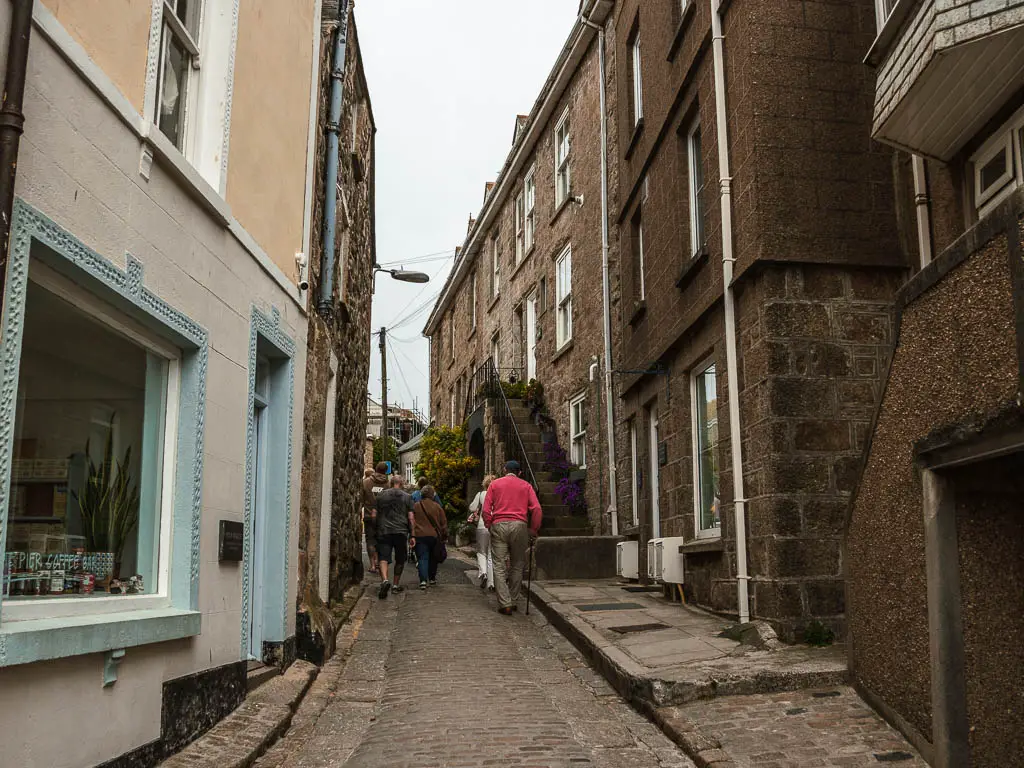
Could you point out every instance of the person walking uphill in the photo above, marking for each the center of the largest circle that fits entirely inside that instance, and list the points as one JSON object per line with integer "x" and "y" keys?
{"x": 430, "y": 531}
{"x": 513, "y": 515}
{"x": 374, "y": 481}
{"x": 395, "y": 522}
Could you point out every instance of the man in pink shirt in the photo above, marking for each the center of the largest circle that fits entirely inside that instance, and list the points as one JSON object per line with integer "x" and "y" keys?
{"x": 512, "y": 513}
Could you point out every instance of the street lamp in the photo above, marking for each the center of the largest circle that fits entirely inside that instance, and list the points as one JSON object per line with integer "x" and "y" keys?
{"x": 402, "y": 275}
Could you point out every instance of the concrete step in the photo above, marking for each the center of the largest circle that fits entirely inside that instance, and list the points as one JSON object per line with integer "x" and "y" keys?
{"x": 258, "y": 673}
{"x": 578, "y": 525}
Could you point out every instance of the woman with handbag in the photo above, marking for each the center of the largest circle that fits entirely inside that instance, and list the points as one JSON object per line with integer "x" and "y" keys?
{"x": 430, "y": 534}
{"x": 484, "y": 561}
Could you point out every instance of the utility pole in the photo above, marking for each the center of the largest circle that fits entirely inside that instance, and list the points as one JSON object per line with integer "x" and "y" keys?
{"x": 384, "y": 396}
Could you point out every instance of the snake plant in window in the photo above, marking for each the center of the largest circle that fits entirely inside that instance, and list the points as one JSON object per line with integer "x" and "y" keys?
{"x": 109, "y": 503}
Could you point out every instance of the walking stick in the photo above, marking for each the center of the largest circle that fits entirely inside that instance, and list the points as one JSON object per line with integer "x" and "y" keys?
{"x": 529, "y": 578}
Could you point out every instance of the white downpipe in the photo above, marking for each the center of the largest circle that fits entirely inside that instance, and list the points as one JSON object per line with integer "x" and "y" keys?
{"x": 732, "y": 364}
{"x": 609, "y": 402}
{"x": 924, "y": 216}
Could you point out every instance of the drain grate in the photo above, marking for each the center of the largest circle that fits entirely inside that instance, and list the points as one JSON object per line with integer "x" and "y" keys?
{"x": 609, "y": 607}
{"x": 641, "y": 589}
{"x": 893, "y": 757}
{"x": 633, "y": 628}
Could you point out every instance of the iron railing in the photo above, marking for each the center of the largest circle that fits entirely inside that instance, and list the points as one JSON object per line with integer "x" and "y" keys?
{"x": 485, "y": 386}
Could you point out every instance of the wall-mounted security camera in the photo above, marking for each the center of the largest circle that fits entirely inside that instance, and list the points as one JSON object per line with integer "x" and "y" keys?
{"x": 301, "y": 266}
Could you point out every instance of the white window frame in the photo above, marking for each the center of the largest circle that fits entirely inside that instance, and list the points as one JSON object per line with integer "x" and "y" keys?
{"x": 695, "y": 163}
{"x": 640, "y": 253}
{"x": 883, "y": 10}
{"x": 171, "y": 24}
{"x": 638, "y": 85}
{"x": 451, "y": 333}
{"x": 107, "y": 316}
{"x": 563, "y": 149}
{"x": 698, "y": 371}
{"x": 1008, "y": 139}
{"x": 577, "y": 430}
{"x": 563, "y": 298}
{"x": 472, "y": 302}
{"x": 634, "y": 454}
{"x": 496, "y": 351}
{"x": 451, "y": 394}
{"x": 495, "y": 269}
{"x": 530, "y": 215}
{"x": 519, "y": 215}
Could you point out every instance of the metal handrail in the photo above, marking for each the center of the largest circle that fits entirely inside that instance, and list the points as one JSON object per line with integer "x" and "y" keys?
{"x": 491, "y": 388}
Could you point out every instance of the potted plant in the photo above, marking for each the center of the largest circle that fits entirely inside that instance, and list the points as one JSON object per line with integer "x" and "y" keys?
{"x": 109, "y": 502}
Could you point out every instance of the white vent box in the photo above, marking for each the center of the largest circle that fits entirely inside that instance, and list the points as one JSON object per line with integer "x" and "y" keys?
{"x": 627, "y": 560}
{"x": 654, "y": 559}
{"x": 670, "y": 562}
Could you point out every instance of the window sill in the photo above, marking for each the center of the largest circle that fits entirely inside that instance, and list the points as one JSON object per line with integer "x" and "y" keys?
{"x": 888, "y": 33}
{"x": 561, "y": 351}
{"x": 24, "y": 642}
{"x": 691, "y": 268}
{"x": 684, "y": 24}
{"x": 561, "y": 207}
{"x": 472, "y": 333}
{"x": 639, "y": 312}
{"x": 522, "y": 261}
{"x": 696, "y": 546}
{"x": 638, "y": 131}
{"x": 494, "y": 301}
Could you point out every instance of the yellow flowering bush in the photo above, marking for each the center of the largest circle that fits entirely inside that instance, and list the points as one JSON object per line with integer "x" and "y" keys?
{"x": 445, "y": 462}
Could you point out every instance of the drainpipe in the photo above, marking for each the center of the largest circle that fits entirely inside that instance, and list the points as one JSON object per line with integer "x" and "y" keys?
{"x": 12, "y": 120}
{"x": 924, "y": 214}
{"x": 330, "y": 225}
{"x": 729, "y": 299}
{"x": 609, "y": 402}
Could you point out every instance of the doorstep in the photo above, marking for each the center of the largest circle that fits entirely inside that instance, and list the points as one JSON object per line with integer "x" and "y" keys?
{"x": 660, "y": 654}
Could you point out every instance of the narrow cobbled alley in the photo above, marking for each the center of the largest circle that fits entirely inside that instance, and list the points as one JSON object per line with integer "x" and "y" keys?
{"x": 439, "y": 679}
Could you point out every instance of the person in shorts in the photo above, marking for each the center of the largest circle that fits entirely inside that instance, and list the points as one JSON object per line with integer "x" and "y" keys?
{"x": 395, "y": 520}
{"x": 374, "y": 481}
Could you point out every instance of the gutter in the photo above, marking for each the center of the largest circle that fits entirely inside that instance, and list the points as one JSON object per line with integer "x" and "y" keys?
{"x": 732, "y": 364}
{"x": 542, "y": 109}
{"x": 330, "y": 225}
{"x": 12, "y": 120}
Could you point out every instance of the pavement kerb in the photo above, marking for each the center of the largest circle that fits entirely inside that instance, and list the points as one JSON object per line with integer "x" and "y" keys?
{"x": 657, "y": 698}
{"x": 248, "y": 733}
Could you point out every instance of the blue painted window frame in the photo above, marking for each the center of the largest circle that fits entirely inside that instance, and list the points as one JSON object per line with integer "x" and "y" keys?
{"x": 267, "y": 339}
{"x": 22, "y": 642}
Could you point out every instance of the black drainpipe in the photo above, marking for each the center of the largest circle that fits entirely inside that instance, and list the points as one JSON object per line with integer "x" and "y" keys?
{"x": 12, "y": 120}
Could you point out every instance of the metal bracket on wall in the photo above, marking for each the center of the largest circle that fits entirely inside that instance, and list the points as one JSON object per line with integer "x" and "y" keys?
{"x": 659, "y": 369}
{"x": 110, "y": 663}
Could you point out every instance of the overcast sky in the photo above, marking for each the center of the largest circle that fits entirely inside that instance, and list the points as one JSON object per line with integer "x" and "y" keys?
{"x": 446, "y": 78}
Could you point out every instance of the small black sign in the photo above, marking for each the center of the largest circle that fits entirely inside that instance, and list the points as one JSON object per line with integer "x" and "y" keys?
{"x": 662, "y": 454}
{"x": 231, "y": 536}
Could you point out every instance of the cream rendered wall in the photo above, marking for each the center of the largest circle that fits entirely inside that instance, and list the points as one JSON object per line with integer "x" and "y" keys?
{"x": 270, "y": 123}
{"x": 79, "y": 165}
{"x": 115, "y": 33}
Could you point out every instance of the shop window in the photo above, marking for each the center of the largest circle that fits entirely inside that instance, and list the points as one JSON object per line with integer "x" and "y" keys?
{"x": 707, "y": 494}
{"x": 88, "y": 493}
{"x": 578, "y": 430}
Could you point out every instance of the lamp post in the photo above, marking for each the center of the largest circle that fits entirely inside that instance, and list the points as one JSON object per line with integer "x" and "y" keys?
{"x": 402, "y": 276}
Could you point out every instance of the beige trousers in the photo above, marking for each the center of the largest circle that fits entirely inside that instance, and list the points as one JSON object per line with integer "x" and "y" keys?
{"x": 512, "y": 540}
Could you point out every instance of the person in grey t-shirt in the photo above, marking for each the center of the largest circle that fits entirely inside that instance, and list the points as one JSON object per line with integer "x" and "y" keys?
{"x": 394, "y": 519}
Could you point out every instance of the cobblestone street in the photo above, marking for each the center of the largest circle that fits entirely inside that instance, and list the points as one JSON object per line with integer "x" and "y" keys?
{"x": 440, "y": 679}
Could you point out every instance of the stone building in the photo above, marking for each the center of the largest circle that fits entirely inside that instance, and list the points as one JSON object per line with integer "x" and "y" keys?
{"x": 758, "y": 268}
{"x": 935, "y": 540}
{"x": 338, "y": 354}
{"x": 525, "y": 294}
{"x": 154, "y": 318}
